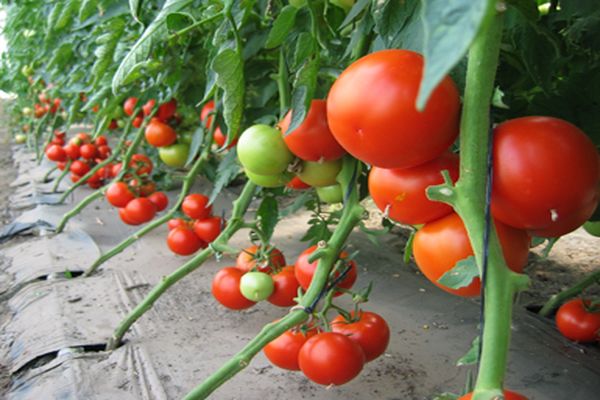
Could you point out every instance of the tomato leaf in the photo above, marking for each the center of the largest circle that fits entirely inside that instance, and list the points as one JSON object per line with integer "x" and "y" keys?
{"x": 229, "y": 67}
{"x": 197, "y": 140}
{"x": 281, "y": 26}
{"x": 397, "y": 25}
{"x": 87, "y": 9}
{"x": 356, "y": 9}
{"x": 135, "y": 6}
{"x": 67, "y": 14}
{"x": 449, "y": 30}
{"x": 306, "y": 83}
{"x": 472, "y": 356}
{"x": 179, "y": 20}
{"x": 461, "y": 275}
{"x": 305, "y": 47}
{"x": 268, "y": 214}
{"x": 226, "y": 172}
{"x": 107, "y": 44}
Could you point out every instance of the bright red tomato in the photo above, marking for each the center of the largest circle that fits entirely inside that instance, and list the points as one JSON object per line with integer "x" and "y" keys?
{"x": 56, "y": 153}
{"x": 176, "y": 222}
{"x": 220, "y": 139}
{"x": 207, "y": 109}
{"x": 403, "y": 190}
{"x": 312, "y": 140}
{"x": 208, "y": 229}
{"x": 440, "y": 244}
{"x": 79, "y": 167}
{"x": 508, "y": 395}
{"x": 75, "y": 178}
{"x": 148, "y": 107}
{"x": 369, "y": 330}
{"x": 226, "y": 289}
{"x": 286, "y": 287}
{"x": 104, "y": 151}
{"x": 167, "y": 110}
{"x": 159, "y": 134}
{"x": 160, "y": 200}
{"x": 297, "y": 184}
{"x": 72, "y": 151}
{"x": 124, "y": 215}
{"x": 141, "y": 164}
{"x": 331, "y": 358}
{"x": 304, "y": 270}
{"x": 263, "y": 260}
{"x": 88, "y": 151}
{"x": 119, "y": 195}
{"x": 283, "y": 351}
{"x": 138, "y": 121}
{"x": 196, "y": 206}
{"x": 372, "y": 113}
{"x": 546, "y": 175}
{"x": 576, "y": 320}
{"x": 101, "y": 141}
{"x": 140, "y": 210}
{"x": 129, "y": 105}
{"x": 183, "y": 241}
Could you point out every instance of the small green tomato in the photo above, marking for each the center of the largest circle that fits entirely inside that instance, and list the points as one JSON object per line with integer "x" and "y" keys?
{"x": 319, "y": 174}
{"x": 331, "y": 194}
{"x": 256, "y": 286}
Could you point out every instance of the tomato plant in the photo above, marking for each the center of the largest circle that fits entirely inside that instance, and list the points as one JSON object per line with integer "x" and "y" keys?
{"x": 578, "y": 320}
{"x": 305, "y": 270}
{"x": 508, "y": 395}
{"x": 226, "y": 289}
{"x": 319, "y": 174}
{"x": 368, "y": 329}
{"x": 140, "y": 210}
{"x": 183, "y": 241}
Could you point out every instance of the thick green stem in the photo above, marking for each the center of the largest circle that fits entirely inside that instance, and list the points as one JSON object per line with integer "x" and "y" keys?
{"x": 351, "y": 217}
{"x": 559, "y": 298}
{"x": 233, "y": 225}
{"x": 82, "y": 204}
{"x": 61, "y": 176}
{"x": 47, "y": 175}
{"x": 283, "y": 85}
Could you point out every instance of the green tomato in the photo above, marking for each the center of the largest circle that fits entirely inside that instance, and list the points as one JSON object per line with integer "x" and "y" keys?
{"x": 592, "y": 227}
{"x": 331, "y": 194}
{"x": 20, "y": 138}
{"x": 256, "y": 286}
{"x": 27, "y": 70}
{"x": 319, "y": 174}
{"x": 174, "y": 155}
{"x": 269, "y": 181}
{"x": 261, "y": 150}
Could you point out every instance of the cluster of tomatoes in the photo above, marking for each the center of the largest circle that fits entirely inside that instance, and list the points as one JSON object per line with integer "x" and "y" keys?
{"x": 81, "y": 154}
{"x": 197, "y": 230}
{"x": 46, "y": 105}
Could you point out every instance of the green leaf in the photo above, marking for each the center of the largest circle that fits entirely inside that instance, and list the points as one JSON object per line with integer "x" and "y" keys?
{"x": 67, "y": 15}
{"x": 156, "y": 32}
{"x": 106, "y": 50}
{"x": 226, "y": 172}
{"x": 179, "y": 20}
{"x": 297, "y": 205}
{"x": 61, "y": 56}
{"x": 461, "y": 275}
{"x": 356, "y": 9}
{"x": 302, "y": 95}
{"x": 449, "y": 30}
{"x": 393, "y": 18}
{"x": 87, "y": 9}
{"x": 472, "y": 355}
{"x": 306, "y": 46}
{"x": 197, "y": 140}
{"x": 281, "y": 26}
{"x": 135, "y": 6}
{"x": 268, "y": 215}
{"x": 408, "y": 247}
{"x": 229, "y": 67}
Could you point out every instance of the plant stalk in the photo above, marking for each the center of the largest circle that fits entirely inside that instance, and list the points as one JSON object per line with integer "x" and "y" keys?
{"x": 559, "y": 298}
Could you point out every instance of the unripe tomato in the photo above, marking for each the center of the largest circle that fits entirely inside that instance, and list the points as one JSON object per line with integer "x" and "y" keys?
{"x": 264, "y": 260}
{"x": 183, "y": 241}
{"x": 283, "y": 351}
{"x": 160, "y": 200}
{"x": 304, "y": 270}
{"x": 401, "y": 191}
{"x": 129, "y": 105}
{"x": 159, "y": 134}
{"x": 269, "y": 181}
{"x": 174, "y": 155}
{"x": 196, "y": 206}
{"x": 319, "y": 174}
{"x": 508, "y": 395}
{"x": 256, "y": 286}
{"x": 576, "y": 320}
{"x": 285, "y": 287}
{"x": 226, "y": 289}
{"x": 208, "y": 229}
{"x": 371, "y": 110}
{"x": 261, "y": 150}
{"x": 312, "y": 140}
{"x": 140, "y": 210}
{"x": 20, "y": 138}
{"x": 331, "y": 194}
{"x": 88, "y": 151}
{"x": 119, "y": 195}
{"x": 369, "y": 330}
{"x": 440, "y": 244}
{"x": 56, "y": 153}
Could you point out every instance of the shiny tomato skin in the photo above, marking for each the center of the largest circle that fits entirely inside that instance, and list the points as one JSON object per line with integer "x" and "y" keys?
{"x": 72, "y": 151}
{"x": 124, "y": 215}
{"x": 226, "y": 289}
{"x": 183, "y": 241}
{"x": 577, "y": 323}
{"x": 403, "y": 190}
{"x": 119, "y": 195}
{"x": 159, "y": 134}
{"x": 371, "y": 111}
{"x": 88, "y": 151}
{"x": 440, "y": 244}
{"x": 286, "y": 287}
{"x": 312, "y": 140}
{"x": 160, "y": 200}
{"x": 140, "y": 210}
{"x": 546, "y": 175}
{"x": 174, "y": 155}
{"x": 331, "y": 358}
{"x": 331, "y": 194}
{"x": 265, "y": 261}
{"x": 370, "y": 331}
{"x": 129, "y": 105}
{"x": 176, "y": 222}
{"x": 319, "y": 174}
{"x": 283, "y": 351}
{"x": 79, "y": 167}
{"x": 304, "y": 270}
{"x": 261, "y": 150}
{"x": 508, "y": 395}
{"x": 207, "y": 229}
{"x": 196, "y": 206}
{"x": 256, "y": 286}
{"x": 56, "y": 153}
{"x": 297, "y": 184}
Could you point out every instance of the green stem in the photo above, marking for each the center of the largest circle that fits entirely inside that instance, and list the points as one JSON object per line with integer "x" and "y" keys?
{"x": 82, "y": 204}
{"x": 283, "y": 85}
{"x": 233, "y": 225}
{"x": 50, "y": 171}
{"x": 61, "y": 176}
{"x": 351, "y": 216}
{"x": 36, "y": 136}
{"x": 195, "y": 25}
{"x": 559, "y": 298}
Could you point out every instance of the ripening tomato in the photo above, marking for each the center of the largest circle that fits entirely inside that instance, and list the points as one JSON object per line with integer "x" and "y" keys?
{"x": 312, "y": 140}
{"x": 159, "y": 134}
{"x": 285, "y": 287}
{"x": 129, "y": 105}
{"x": 579, "y": 321}
{"x": 183, "y": 241}
{"x": 269, "y": 181}
{"x": 208, "y": 229}
{"x": 401, "y": 191}
{"x": 196, "y": 206}
{"x": 319, "y": 174}
{"x": 546, "y": 175}
{"x": 283, "y": 351}
{"x": 83, "y": 137}
{"x": 304, "y": 270}
{"x": 88, "y": 151}
{"x": 261, "y": 150}
{"x": 72, "y": 151}
{"x": 263, "y": 259}
{"x": 226, "y": 289}
{"x": 371, "y": 110}
{"x": 79, "y": 167}
{"x": 331, "y": 358}
{"x": 176, "y": 222}
{"x": 369, "y": 330}
{"x": 160, "y": 200}
{"x": 140, "y": 210}
{"x": 508, "y": 395}
{"x": 118, "y": 194}
{"x": 440, "y": 244}
{"x": 56, "y": 153}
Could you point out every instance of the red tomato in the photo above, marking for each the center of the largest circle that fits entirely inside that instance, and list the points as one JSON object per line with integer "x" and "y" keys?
{"x": 312, "y": 140}
{"x": 124, "y": 215}
{"x": 140, "y": 210}
{"x": 75, "y": 178}
{"x": 148, "y": 107}
{"x": 101, "y": 141}
{"x": 196, "y": 206}
{"x": 286, "y": 287}
{"x": 440, "y": 244}
{"x": 283, "y": 351}
{"x": 331, "y": 358}
{"x": 183, "y": 241}
{"x": 118, "y": 194}
{"x": 403, "y": 190}
{"x": 145, "y": 189}
{"x": 160, "y": 200}
{"x": 79, "y": 167}
{"x": 372, "y": 113}
{"x": 72, "y": 151}
{"x": 56, "y": 153}
{"x": 207, "y": 109}
{"x": 546, "y": 175}
{"x": 167, "y": 110}
{"x": 159, "y": 134}
{"x": 129, "y": 105}
{"x": 61, "y": 165}
{"x": 304, "y": 270}
{"x": 226, "y": 289}
{"x": 138, "y": 121}
{"x": 58, "y": 141}
{"x": 263, "y": 260}
{"x": 141, "y": 163}
{"x": 208, "y": 229}
{"x": 115, "y": 169}
{"x": 83, "y": 137}
{"x": 297, "y": 184}
{"x": 94, "y": 184}
{"x": 220, "y": 139}
{"x": 113, "y": 124}
{"x": 577, "y": 321}
{"x": 369, "y": 330}
{"x": 508, "y": 395}
{"x": 103, "y": 152}
{"x": 88, "y": 151}
{"x": 176, "y": 222}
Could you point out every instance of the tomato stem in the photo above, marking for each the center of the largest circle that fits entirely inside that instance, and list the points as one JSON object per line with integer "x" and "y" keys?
{"x": 559, "y": 298}
{"x": 62, "y": 175}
